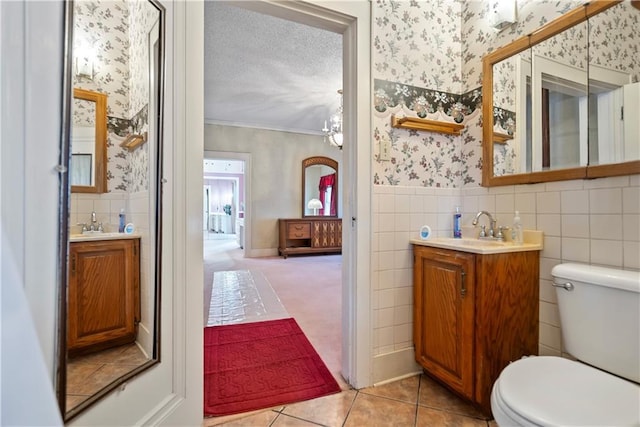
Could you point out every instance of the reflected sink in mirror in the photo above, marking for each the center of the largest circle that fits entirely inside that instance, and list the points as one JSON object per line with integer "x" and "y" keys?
{"x": 99, "y": 235}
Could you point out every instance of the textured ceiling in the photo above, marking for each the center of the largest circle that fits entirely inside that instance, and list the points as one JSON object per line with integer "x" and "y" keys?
{"x": 266, "y": 72}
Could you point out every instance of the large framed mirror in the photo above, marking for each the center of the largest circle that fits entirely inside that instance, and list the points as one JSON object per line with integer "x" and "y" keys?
{"x": 88, "y": 168}
{"x": 554, "y": 101}
{"x": 110, "y": 304}
{"x": 320, "y": 187}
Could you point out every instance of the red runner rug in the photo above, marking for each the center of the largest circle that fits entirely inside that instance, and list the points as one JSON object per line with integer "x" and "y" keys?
{"x": 259, "y": 365}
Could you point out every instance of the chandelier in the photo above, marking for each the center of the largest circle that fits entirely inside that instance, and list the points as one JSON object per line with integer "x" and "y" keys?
{"x": 333, "y": 134}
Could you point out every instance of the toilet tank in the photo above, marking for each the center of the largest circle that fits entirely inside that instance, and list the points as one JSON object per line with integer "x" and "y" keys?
{"x": 600, "y": 317}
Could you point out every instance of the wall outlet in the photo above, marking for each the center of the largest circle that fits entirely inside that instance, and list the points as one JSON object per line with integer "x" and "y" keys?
{"x": 385, "y": 149}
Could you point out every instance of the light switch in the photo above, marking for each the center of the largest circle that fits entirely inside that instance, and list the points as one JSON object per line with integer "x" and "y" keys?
{"x": 385, "y": 149}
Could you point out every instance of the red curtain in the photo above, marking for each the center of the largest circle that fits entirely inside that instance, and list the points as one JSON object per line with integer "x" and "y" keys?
{"x": 325, "y": 182}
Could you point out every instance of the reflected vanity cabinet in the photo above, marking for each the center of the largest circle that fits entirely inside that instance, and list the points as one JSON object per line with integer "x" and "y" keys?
{"x": 103, "y": 294}
{"x": 309, "y": 235}
{"x": 473, "y": 314}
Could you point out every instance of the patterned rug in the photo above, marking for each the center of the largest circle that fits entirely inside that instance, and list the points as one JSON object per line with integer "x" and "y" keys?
{"x": 258, "y": 365}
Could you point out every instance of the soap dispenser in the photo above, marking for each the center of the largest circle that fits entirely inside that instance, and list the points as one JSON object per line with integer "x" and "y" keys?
{"x": 516, "y": 231}
{"x": 121, "y": 221}
{"x": 457, "y": 223}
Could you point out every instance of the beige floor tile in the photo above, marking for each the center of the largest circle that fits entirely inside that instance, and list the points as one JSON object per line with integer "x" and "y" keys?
{"x": 374, "y": 411}
{"x": 405, "y": 390}
{"x": 433, "y": 395}
{"x": 287, "y": 421}
{"x": 256, "y": 419}
{"x": 328, "y": 410}
{"x": 432, "y": 417}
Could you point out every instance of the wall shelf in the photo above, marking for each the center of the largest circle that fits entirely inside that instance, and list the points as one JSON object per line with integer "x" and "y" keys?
{"x": 416, "y": 123}
{"x": 501, "y": 138}
{"x": 133, "y": 141}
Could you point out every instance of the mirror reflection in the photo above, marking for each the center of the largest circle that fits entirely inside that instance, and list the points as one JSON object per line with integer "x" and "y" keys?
{"x": 87, "y": 167}
{"x": 320, "y": 187}
{"x": 614, "y": 86}
{"x": 561, "y": 101}
{"x": 113, "y": 285}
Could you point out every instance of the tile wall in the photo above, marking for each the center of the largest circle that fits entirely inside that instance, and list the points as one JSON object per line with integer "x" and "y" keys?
{"x": 586, "y": 221}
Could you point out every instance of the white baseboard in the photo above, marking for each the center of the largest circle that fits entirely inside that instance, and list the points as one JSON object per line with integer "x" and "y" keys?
{"x": 395, "y": 366}
{"x": 260, "y": 253}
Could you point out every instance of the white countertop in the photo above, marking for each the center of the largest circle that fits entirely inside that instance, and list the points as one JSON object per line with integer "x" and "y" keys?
{"x": 533, "y": 240}
{"x": 101, "y": 236}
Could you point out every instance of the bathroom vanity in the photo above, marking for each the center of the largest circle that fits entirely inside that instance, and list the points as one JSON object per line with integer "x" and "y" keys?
{"x": 103, "y": 292}
{"x": 475, "y": 310}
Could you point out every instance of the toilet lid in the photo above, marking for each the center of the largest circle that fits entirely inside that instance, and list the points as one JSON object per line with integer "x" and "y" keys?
{"x": 552, "y": 391}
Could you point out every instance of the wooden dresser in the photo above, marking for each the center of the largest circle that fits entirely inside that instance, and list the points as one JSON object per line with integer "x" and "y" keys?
{"x": 310, "y": 235}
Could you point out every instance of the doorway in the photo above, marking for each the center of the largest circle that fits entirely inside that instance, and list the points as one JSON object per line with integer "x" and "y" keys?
{"x": 355, "y": 271}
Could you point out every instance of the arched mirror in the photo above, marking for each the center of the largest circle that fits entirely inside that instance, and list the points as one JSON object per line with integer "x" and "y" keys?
{"x": 88, "y": 169}
{"x": 561, "y": 102}
{"x": 320, "y": 187}
{"x": 109, "y": 305}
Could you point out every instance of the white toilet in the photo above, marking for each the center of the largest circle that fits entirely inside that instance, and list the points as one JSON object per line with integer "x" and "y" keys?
{"x": 600, "y": 318}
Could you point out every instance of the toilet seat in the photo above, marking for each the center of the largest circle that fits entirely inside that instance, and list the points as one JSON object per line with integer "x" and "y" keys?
{"x": 553, "y": 391}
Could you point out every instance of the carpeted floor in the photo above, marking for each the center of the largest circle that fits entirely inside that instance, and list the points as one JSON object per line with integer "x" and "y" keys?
{"x": 309, "y": 287}
{"x": 259, "y": 365}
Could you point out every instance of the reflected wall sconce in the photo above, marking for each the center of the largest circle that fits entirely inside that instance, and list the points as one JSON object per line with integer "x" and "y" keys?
{"x": 133, "y": 141}
{"x": 85, "y": 70}
{"x": 314, "y": 204}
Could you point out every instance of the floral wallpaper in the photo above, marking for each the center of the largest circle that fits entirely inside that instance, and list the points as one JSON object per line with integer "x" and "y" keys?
{"x": 113, "y": 35}
{"x": 100, "y": 34}
{"x": 427, "y": 62}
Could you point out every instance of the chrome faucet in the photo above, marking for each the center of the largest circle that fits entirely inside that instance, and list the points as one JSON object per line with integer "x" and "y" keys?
{"x": 492, "y": 225}
{"x": 94, "y": 226}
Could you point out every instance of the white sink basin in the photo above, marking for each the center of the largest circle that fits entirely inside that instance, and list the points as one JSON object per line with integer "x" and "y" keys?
{"x": 96, "y": 235}
{"x": 478, "y": 242}
{"x": 533, "y": 242}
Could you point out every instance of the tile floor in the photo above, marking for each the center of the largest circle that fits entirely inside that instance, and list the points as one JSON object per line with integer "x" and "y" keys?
{"x": 243, "y": 296}
{"x": 413, "y": 402}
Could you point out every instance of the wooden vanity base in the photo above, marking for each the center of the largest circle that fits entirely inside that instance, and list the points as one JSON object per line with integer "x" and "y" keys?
{"x": 473, "y": 314}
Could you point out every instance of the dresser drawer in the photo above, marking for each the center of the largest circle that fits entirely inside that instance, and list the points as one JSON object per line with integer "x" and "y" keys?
{"x": 299, "y": 230}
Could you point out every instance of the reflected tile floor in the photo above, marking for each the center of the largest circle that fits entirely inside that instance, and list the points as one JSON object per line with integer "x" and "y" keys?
{"x": 417, "y": 401}
{"x": 88, "y": 374}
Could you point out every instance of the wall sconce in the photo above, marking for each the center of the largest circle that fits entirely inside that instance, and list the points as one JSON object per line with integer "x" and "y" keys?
{"x": 314, "y": 204}
{"x": 503, "y": 14}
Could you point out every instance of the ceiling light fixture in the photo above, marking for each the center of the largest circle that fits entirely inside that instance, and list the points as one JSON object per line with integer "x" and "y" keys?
{"x": 333, "y": 134}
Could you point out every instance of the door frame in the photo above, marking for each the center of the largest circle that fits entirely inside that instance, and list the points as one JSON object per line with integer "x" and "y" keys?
{"x": 248, "y": 210}
{"x": 352, "y": 19}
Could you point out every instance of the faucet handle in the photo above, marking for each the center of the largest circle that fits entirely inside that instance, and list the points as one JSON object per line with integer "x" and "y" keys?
{"x": 100, "y": 228}
{"x": 483, "y": 231}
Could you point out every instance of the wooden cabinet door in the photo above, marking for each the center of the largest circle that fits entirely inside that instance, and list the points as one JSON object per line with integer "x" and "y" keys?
{"x": 327, "y": 233}
{"x": 103, "y": 295}
{"x": 444, "y": 293}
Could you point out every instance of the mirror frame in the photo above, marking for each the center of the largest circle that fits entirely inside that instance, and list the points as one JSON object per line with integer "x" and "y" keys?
{"x": 312, "y": 161}
{"x": 100, "y": 160}
{"x": 63, "y": 212}
{"x": 564, "y": 22}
